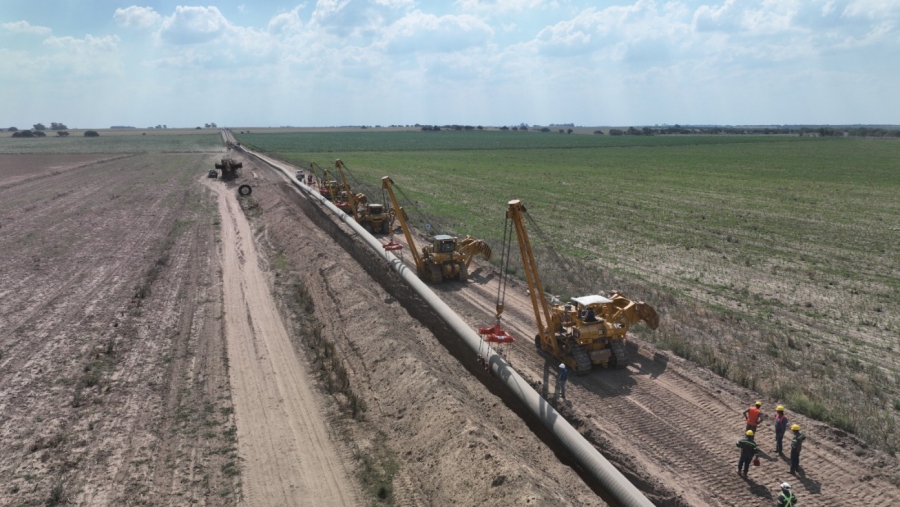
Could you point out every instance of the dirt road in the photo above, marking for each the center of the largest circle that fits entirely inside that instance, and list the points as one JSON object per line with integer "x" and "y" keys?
{"x": 284, "y": 443}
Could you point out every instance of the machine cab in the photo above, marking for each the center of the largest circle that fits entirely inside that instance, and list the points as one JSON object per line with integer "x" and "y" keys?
{"x": 444, "y": 244}
{"x": 375, "y": 209}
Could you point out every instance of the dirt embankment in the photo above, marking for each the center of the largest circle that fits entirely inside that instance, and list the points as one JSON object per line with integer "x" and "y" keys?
{"x": 113, "y": 376}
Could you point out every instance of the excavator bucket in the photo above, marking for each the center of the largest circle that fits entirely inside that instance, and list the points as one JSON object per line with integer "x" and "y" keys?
{"x": 648, "y": 314}
{"x": 470, "y": 247}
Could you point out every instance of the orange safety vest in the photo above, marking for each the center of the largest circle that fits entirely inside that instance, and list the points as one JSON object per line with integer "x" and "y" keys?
{"x": 753, "y": 416}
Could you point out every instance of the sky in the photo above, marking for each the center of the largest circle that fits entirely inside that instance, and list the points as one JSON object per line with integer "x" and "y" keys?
{"x": 93, "y": 64}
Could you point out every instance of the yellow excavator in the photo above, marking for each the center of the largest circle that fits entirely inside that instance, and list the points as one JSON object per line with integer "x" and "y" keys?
{"x": 588, "y": 330}
{"x": 373, "y": 217}
{"x": 447, "y": 257}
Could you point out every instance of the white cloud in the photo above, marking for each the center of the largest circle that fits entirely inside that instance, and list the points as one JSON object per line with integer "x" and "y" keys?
{"x": 361, "y": 19}
{"x": 88, "y": 43}
{"x": 423, "y": 32}
{"x": 499, "y": 6}
{"x": 25, "y": 27}
{"x": 286, "y": 22}
{"x": 193, "y": 25}
{"x": 137, "y": 17}
{"x": 872, "y": 9}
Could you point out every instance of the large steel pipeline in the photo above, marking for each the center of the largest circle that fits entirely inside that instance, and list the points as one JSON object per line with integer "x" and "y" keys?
{"x": 609, "y": 478}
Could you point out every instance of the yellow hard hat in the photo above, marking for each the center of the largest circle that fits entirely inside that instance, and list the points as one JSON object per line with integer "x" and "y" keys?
{"x": 758, "y": 403}
{"x": 749, "y": 433}
{"x": 795, "y": 427}
{"x": 779, "y": 408}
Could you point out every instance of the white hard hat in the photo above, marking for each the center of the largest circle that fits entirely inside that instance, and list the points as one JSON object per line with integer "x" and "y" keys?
{"x": 562, "y": 365}
{"x": 785, "y": 485}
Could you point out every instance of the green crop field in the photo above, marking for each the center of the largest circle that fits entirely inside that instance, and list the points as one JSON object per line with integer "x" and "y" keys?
{"x": 111, "y": 142}
{"x": 772, "y": 259}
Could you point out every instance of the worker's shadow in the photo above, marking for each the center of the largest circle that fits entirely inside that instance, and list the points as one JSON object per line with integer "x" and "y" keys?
{"x": 759, "y": 490}
{"x": 812, "y": 486}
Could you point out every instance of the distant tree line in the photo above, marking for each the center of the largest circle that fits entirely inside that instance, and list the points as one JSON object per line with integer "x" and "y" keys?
{"x": 802, "y": 131}
{"x": 437, "y": 128}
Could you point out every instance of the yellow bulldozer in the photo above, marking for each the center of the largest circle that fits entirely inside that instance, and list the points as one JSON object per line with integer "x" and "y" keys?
{"x": 588, "y": 330}
{"x": 447, "y": 257}
{"x": 372, "y": 216}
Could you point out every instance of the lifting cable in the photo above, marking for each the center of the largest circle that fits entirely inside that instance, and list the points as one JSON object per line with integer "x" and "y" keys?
{"x": 568, "y": 270}
{"x": 496, "y": 333}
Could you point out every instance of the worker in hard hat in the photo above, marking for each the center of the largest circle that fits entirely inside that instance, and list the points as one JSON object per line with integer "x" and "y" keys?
{"x": 787, "y": 497}
{"x": 796, "y": 446}
{"x": 753, "y": 415}
{"x": 781, "y": 426}
{"x": 561, "y": 378}
{"x": 748, "y": 452}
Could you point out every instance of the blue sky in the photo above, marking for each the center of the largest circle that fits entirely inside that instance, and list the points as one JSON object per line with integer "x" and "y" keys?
{"x": 477, "y": 62}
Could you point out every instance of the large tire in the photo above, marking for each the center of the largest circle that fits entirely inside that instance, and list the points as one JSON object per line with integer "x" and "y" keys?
{"x": 386, "y": 227}
{"x": 245, "y": 190}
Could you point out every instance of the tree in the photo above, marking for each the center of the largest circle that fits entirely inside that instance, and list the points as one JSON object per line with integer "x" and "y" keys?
{"x": 58, "y": 126}
{"x": 39, "y": 126}
{"x": 91, "y": 133}
{"x": 24, "y": 133}
{"x": 545, "y": 129}
{"x": 616, "y": 132}
{"x": 480, "y": 127}
{"x": 561, "y": 131}
{"x": 569, "y": 131}
{"x": 504, "y": 128}
{"x": 39, "y": 133}
{"x": 62, "y": 133}
{"x": 12, "y": 129}
{"x": 598, "y": 132}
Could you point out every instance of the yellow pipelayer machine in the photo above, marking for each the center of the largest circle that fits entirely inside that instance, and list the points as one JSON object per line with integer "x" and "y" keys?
{"x": 586, "y": 331}
{"x": 447, "y": 257}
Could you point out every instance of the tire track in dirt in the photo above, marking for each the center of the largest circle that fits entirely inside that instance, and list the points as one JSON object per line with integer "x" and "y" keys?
{"x": 287, "y": 454}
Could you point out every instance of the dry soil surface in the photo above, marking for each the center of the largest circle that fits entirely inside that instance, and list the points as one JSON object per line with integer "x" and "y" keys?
{"x": 113, "y": 374}
{"x": 283, "y": 439}
{"x": 149, "y": 356}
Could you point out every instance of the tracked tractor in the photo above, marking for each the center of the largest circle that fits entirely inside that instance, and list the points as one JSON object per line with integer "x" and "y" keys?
{"x": 588, "y": 330}
{"x": 373, "y": 217}
{"x": 446, "y": 257}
